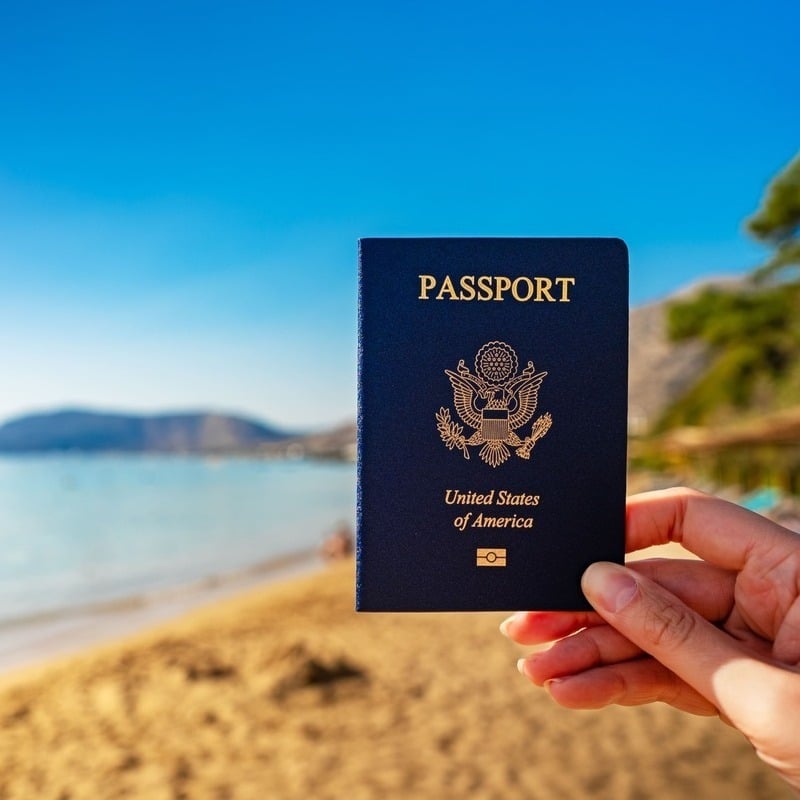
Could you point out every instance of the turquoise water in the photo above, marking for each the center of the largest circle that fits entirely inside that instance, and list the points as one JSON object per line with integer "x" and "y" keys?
{"x": 76, "y": 531}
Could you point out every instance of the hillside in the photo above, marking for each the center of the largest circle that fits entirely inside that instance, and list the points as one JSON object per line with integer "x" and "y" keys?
{"x": 88, "y": 431}
{"x": 751, "y": 335}
{"x": 660, "y": 371}
{"x": 737, "y": 423}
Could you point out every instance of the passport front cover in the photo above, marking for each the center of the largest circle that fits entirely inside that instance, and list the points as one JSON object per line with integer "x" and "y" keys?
{"x": 492, "y": 421}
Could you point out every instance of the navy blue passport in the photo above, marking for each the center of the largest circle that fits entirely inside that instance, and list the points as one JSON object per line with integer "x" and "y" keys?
{"x": 492, "y": 421}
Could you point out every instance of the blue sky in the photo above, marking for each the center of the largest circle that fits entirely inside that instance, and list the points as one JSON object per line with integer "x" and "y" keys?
{"x": 182, "y": 184}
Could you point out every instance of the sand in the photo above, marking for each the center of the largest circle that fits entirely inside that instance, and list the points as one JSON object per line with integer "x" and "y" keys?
{"x": 287, "y": 693}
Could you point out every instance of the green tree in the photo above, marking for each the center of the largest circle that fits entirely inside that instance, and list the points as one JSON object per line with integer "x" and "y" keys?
{"x": 777, "y": 223}
{"x": 754, "y": 337}
{"x": 753, "y": 332}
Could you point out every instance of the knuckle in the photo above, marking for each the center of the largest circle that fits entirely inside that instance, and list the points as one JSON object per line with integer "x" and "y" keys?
{"x": 670, "y": 689}
{"x": 668, "y": 626}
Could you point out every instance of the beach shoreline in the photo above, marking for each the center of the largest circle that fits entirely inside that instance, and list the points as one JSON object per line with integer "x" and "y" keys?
{"x": 42, "y": 638}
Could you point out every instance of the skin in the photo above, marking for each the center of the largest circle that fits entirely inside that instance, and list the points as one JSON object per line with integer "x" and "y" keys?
{"x": 719, "y": 636}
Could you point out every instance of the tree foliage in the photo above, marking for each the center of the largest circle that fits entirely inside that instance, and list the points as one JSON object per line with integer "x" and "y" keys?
{"x": 753, "y": 331}
{"x": 754, "y": 336}
{"x": 777, "y": 221}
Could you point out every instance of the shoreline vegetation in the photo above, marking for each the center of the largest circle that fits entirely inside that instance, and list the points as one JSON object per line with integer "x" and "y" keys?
{"x": 285, "y": 691}
{"x": 750, "y": 454}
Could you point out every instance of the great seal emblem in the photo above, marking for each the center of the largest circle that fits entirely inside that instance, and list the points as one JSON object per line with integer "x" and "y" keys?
{"x": 495, "y": 402}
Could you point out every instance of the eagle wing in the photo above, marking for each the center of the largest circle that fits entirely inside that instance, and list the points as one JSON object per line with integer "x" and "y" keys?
{"x": 527, "y": 394}
{"x": 465, "y": 386}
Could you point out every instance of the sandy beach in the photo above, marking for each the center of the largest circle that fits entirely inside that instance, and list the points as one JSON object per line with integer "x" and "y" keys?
{"x": 285, "y": 692}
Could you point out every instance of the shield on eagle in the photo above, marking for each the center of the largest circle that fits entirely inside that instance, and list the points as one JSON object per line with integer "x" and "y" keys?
{"x": 494, "y": 424}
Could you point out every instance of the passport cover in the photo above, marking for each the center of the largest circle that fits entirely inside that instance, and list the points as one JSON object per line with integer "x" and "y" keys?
{"x": 492, "y": 423}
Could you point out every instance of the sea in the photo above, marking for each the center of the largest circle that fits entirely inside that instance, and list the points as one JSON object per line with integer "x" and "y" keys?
{"x": 94, "y": 546}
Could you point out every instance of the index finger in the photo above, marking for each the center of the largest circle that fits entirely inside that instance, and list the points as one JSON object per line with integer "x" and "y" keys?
{"x": 714, "y": 529}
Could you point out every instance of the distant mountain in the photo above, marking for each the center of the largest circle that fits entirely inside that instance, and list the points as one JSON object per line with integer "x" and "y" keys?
{"x": 88, "y": 431}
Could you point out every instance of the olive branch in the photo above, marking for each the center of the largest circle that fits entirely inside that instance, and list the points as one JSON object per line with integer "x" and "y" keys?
{"x": 540, "y": 428}
{"x": 451, "y": 432}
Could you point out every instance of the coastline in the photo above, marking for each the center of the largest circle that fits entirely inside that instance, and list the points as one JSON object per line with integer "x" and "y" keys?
{"x": 50, "y": 636}
{"x": 96, "y": 547}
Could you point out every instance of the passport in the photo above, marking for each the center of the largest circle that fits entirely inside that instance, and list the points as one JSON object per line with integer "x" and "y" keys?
{"x": 492, "y": 421}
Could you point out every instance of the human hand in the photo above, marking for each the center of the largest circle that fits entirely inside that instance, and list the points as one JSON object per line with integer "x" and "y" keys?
{"x": 716, "y": 636}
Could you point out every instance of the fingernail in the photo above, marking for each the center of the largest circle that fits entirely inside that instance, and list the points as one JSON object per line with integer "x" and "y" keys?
{"x": 609, "y": 586}
{"x": 521, "y": 666}
{"x": 505, "y": 623}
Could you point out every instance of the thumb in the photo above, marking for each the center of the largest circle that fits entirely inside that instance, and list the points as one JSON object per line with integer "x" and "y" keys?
{"x": 704, "y": 656}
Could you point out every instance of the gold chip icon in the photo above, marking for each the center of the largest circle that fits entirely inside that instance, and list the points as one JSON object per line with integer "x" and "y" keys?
{"x": 490, "y": 557}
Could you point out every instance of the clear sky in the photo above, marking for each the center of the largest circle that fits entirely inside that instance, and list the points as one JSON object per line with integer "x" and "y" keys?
{"x": 182, "y": 183}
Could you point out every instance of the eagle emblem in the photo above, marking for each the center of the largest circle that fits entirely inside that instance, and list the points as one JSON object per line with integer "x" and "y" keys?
{"x": 495, "y": 402}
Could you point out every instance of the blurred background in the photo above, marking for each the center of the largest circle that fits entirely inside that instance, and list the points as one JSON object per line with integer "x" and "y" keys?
{"x": 181, "y": 190}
